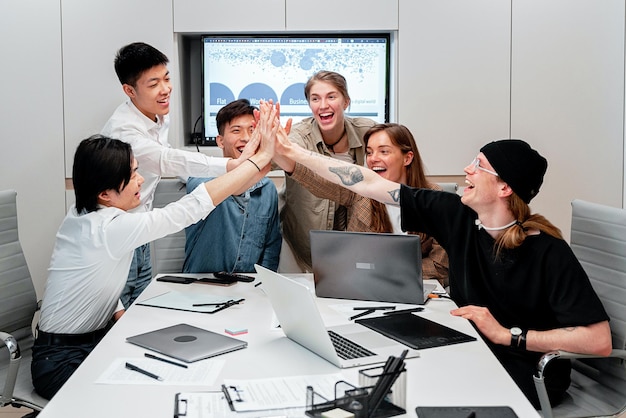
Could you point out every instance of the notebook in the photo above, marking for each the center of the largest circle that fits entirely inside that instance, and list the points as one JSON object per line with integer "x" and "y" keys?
{"x": 187, "y": 343}
{"x": 465, "y": 411}
{"x": 416, "y": 332}
{"x": 368, "y": 266}
{"x": 300, "y": 320}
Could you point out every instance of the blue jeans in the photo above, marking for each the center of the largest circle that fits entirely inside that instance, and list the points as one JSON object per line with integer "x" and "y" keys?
{"x": 139, "y": 275}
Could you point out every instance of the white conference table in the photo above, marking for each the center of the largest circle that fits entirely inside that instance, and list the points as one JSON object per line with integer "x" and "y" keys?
{"x": 464, "y": 374}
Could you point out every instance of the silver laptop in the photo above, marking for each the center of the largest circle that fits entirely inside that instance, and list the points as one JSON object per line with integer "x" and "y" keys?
{"x": 187, "y": 343}
{"x": 368, "y": 266}
{"x": 300, "y": 320}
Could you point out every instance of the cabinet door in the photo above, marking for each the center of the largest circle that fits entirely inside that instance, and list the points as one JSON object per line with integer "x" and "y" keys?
{"x": 333, "y": 15}
{"x": 202, "y": 16}
{"x": 92, "y": 34}
{"x": 567, "y": 98}
{"x": 453, "y": 77}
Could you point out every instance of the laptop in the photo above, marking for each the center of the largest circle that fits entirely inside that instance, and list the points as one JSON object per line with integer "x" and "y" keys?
{"x": 187, "y": 343}
{"x": 368, "y": 266}
{"x": 300, "y": 320}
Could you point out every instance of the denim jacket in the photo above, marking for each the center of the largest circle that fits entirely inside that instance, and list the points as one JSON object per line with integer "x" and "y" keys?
{"x": 241, "y": 231}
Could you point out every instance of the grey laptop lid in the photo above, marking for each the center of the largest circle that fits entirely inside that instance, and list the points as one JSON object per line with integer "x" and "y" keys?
{"x": 368, "y": 266}
{"x": 299, "y": 318}
{"x": 187, "y": 343}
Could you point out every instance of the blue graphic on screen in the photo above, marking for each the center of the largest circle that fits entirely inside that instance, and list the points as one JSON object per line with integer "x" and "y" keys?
{"x": 277, "y": 68}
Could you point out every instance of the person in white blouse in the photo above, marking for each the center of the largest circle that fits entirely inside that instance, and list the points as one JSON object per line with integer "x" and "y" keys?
{"x": 143, "y": 122}
{"x": 96, "y": 242}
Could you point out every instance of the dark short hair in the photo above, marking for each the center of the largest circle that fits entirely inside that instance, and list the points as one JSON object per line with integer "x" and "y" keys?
{"x": 100, "y": 163}
{"x": 231, "y": 111}
{"x": 133, "y": 59}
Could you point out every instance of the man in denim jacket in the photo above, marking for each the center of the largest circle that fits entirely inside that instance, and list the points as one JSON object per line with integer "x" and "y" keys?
{"x": 244, "y": 229}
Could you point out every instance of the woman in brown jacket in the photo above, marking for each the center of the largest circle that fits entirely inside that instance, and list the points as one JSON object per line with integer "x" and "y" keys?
{"x": 392, "y": 153}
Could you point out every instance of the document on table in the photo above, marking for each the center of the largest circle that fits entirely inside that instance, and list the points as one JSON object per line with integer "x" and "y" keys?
{"x": 203, "y": 372}
{"x": 277, "y": 393}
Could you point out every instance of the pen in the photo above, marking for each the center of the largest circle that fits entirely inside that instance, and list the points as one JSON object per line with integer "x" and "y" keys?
{"x": 211, "y": 304}
{"x": 376, "y": 308}
{"x": 367, "y": 312}
{"x": 418, "y": 309}
{"x": 228, "y": 304}
{"x": 258, "y": 284}
{"x": 164, "y": 360}
{"x": 142, "y": 371}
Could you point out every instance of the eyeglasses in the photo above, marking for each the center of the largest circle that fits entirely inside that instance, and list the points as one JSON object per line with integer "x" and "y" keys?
{"x": 476, "y": 166}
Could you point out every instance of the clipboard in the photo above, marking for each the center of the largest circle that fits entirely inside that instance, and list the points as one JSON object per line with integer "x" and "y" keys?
{"x": 212, "y": 404}
{"x": 256, "y": 396}
{"x": 200, "y": 405}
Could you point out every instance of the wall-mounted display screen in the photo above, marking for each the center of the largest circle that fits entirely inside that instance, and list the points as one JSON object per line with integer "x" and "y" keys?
{"x": 263, "y": 67}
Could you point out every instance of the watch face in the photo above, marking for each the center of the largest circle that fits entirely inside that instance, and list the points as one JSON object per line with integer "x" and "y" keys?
{"x": 516, "y": 331}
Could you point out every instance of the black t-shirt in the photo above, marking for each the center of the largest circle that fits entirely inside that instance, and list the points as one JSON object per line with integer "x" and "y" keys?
{"x": 539, "y": 285}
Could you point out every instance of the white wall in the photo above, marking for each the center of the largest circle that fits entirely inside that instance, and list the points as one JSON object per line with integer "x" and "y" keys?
{"x": 469, "y": 71}
{"x": 31, "y": 124}
{"x": 567, "y": 91}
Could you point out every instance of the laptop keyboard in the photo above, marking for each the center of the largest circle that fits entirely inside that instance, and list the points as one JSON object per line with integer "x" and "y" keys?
{"x": 347, "y": 349}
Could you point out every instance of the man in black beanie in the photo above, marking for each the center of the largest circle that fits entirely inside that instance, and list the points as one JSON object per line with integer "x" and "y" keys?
{"x": 511, "y": 272}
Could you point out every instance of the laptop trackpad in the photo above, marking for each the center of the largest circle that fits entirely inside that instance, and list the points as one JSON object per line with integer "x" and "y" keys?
{"x": 363, "y": 336}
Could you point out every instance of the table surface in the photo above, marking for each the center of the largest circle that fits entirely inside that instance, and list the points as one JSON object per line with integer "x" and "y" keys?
{"x": 465, "y": 374}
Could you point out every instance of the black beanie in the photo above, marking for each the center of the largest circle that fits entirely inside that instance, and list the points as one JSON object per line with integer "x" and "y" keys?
{"x": 520, "y": 166}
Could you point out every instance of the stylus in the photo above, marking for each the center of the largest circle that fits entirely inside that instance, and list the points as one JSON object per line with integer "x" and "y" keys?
{"x": 376, "y": 308}
{"x": 419, "y": 309}
{"x": 164, "y": 360}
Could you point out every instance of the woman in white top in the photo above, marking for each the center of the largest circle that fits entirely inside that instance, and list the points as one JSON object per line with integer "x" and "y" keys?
{"x": 95, "y": 243}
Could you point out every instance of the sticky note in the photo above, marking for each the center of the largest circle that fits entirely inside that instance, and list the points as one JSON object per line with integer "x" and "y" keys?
{"x": 236, "y": 330}
{"x": 337, "y": 413}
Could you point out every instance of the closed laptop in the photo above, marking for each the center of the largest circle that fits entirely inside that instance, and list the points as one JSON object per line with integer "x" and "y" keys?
{"x": 187, "y": 343}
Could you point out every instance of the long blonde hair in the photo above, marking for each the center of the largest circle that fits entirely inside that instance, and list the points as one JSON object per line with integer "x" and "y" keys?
{"x": 514, "y": 236}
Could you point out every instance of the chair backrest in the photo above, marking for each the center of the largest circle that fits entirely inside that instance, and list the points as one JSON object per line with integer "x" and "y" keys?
{"x": 168, "y": 253}
{"x": 598, "y": 238}
{"x": 18, "y": 301}
{"x": 449, "y": 187}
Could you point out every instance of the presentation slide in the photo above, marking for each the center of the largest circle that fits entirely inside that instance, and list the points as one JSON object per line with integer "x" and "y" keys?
{"x": 277, "y": 68}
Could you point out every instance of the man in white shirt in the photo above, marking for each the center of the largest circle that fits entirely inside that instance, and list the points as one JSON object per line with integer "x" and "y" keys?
{"x": 143, "y": 122}
{"x": 96, "y": 242}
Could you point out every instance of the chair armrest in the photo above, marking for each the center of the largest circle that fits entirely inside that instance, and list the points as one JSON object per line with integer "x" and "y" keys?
{"x": 552, "y": 355}
{"x": 11, "y": 343}
{"x": 546, "y": 408}
{"x": 14, "y": 365}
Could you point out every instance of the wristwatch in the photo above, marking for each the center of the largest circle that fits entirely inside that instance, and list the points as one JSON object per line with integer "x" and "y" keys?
{"x": 516, "y": 332}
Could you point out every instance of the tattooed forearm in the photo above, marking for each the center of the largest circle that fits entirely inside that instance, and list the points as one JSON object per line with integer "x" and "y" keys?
{"x": 349, "y": 176}
{"x": 395, "y": 195}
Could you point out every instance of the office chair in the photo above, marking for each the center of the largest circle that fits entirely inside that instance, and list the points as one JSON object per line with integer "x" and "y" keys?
{"x": 449, "y": 187}
{"x": 168, "y": 253}
{"x": 18, "y": 304}
{"x": 598, "y": 387}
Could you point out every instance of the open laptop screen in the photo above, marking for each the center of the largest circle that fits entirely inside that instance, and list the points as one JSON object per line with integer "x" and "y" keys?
{"x": 367, "y": 266}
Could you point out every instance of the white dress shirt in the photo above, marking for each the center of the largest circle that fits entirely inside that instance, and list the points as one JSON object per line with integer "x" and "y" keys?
{"x": 153, "y": 152}
{"x": 92, "y": 255}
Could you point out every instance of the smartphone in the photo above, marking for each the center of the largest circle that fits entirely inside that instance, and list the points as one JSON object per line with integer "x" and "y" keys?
{"x": 176, "y": 279}
{"x": 216, "y": 281}
{"x": 234, "y": 276}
